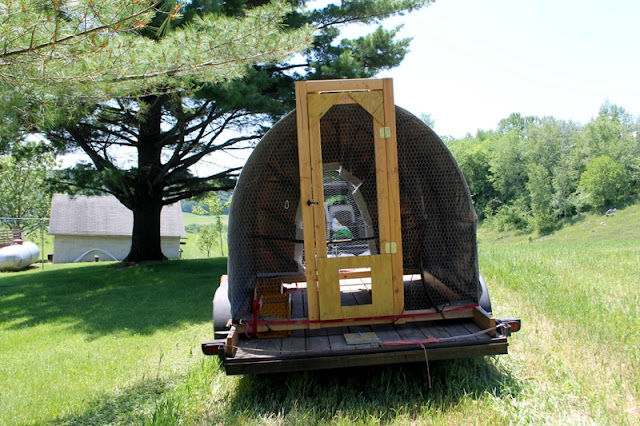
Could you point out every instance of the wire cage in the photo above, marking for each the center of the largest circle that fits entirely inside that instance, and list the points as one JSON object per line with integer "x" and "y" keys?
{"x": 438, "y": 221}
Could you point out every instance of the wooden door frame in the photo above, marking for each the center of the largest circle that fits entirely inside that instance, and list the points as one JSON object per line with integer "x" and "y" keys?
{"x": 311, "y": 175}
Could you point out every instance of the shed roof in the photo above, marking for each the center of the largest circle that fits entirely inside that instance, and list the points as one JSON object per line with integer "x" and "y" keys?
{"x": 104, "y": 216}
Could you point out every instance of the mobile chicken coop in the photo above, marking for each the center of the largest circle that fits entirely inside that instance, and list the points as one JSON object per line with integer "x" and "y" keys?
{"x": 352, "y": 241}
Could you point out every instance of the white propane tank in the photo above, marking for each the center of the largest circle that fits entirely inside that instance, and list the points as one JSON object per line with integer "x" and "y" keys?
{"x": 18, "y": 256}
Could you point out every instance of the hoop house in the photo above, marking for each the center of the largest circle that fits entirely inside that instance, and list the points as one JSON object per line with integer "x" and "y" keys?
{"x": 437, "y": 216}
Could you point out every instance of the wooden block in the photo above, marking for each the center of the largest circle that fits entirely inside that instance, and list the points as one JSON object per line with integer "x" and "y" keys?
{"x": 276, "y": 305}
{"x": 484, "y": 320}
{"x": 232, "y": 341}
{"x": 369, "y": 337}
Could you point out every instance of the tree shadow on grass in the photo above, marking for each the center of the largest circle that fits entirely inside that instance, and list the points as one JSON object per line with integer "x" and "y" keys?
{"x": 386, "y": 393}
{"x": 130, "y": 406}
{"x": 100, "y": 299}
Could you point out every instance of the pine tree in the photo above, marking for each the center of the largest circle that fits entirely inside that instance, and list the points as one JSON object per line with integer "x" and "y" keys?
{"x": 58, "y": 56}
{"x": 169, "y": 133}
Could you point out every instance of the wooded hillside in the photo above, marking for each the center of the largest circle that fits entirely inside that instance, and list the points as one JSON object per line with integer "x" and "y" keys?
{"x": 531, "y": 173}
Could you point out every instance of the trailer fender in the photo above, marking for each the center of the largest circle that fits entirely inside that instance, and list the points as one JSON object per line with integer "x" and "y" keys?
{"x": 485, "y": 299}
{"x": 221, "y": 310}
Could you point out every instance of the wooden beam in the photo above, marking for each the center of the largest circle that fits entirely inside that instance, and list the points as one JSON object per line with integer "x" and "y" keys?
{"x": 381, "y": 186}
{"x": 366, "y": 357}
{"x": 317, "y": 180}
{"x": 484, "y": 320}
{"x": 394, "y": 196}
{"x": 343, "y": 276}
{"x": 231, "y": 341}
{"x": 343, "y": 85}
{"x": 306, "y": 194}
{"x": 440, "y": 287}
{"x": 425, "y": 315}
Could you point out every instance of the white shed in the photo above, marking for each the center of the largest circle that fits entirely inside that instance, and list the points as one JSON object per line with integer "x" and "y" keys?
{"x": 87, "y": 226}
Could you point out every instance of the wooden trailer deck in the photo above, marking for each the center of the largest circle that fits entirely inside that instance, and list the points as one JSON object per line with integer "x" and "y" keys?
{"x": 358, "y": 345}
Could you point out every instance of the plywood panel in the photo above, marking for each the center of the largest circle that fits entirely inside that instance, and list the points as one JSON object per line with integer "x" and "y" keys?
{"x": 372, "y": 102}
{"x": 319, "y": 104}
{"x": 329, "y": 287}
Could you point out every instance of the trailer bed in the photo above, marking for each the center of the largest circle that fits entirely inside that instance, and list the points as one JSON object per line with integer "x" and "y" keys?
{"x": 361, "y": 345}
{"x": 327, "y": 348}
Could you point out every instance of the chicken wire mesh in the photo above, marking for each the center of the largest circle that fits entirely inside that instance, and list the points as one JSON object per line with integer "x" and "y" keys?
{"x": 437, "y": 217}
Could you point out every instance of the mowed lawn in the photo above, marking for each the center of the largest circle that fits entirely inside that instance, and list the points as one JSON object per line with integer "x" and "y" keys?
{"x": 95, "y": 344}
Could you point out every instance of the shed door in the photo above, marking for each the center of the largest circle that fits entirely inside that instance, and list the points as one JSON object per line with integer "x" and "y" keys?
{"x": 353, "y": 254}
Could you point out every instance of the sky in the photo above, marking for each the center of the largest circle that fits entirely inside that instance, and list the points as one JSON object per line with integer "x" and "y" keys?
{"x": 473, "y": 63}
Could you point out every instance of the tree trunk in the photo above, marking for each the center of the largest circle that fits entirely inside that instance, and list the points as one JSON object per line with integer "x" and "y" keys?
{"x": 148, "y": 189}
{"x": 145, "y": 240}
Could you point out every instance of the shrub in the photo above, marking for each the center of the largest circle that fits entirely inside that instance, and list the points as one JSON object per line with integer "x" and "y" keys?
{"x": 604, "y": 181}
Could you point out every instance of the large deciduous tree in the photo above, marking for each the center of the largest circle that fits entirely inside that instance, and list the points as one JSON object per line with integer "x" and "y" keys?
{"x": 166, "y": 134}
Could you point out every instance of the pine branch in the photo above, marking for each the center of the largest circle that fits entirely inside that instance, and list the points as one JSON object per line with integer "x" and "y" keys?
{"x": 81, "y": 34}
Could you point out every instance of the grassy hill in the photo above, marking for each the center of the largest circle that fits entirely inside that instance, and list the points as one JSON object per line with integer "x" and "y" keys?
{"x": 97, "y": 344}
{"x": 191, "y": 249}
{"x": 577, "y": 292}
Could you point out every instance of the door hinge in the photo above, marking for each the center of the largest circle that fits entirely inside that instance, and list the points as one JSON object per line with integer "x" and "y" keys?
{"x": 385, "y": 132}
{"x": 390, "y": 248}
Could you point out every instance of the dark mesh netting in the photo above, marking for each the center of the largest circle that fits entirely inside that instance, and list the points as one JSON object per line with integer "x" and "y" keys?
{"x": 437, "y": 216}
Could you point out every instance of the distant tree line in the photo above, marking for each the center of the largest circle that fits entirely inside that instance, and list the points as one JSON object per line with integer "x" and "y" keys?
{"x": 197, "y": 206}
{"x": 531, "y": 173}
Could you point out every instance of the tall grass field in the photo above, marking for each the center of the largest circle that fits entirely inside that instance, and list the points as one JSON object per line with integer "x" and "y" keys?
{"x": 103, "y": 344}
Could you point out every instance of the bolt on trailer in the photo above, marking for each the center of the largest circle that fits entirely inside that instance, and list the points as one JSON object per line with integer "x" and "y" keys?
{"x": 352, "y": 242}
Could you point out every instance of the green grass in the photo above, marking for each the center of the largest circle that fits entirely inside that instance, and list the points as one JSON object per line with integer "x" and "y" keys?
{"x": 96, "y": 344}
{"x": 577, "y": 292}
{"x": 93, "y": 344}
{"x": 623, "y": 225}
{"x": 191, "y": 249}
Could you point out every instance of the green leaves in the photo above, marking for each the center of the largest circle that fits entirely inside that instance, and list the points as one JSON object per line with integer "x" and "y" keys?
{"x": 86, "y": 51}
{"x": 605, "y": 181}
{"x": 543, "y": 170}
{"x": 230, "y": 71}
{"x": 23, "y": 175}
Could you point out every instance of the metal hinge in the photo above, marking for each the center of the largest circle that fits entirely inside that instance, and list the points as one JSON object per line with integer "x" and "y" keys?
{"x": 390, "y": 248}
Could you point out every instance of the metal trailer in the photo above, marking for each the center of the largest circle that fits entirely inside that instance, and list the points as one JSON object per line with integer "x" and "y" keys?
{"x": 352, "y": 242}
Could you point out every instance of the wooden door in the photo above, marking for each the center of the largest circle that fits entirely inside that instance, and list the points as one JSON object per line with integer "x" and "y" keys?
{"x": 329, "y": 276}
